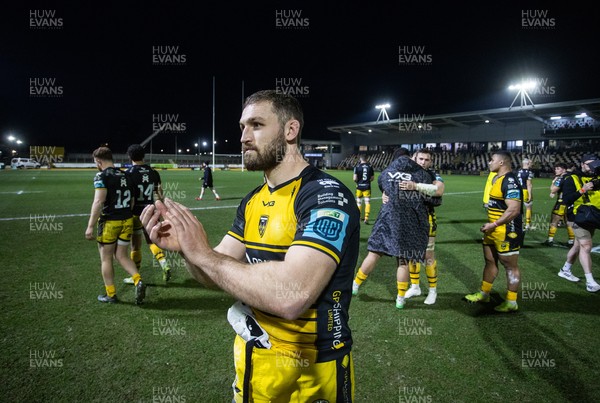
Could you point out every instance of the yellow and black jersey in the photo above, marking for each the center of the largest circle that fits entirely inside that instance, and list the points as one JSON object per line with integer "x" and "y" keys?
{"x": 144, "y": 181}
{"x": 317, "y": 211}
{"x": 559, "y": 182}
{"x": 119, "y": 195}
{"x": 364, "y": 172}
{"x": 505, "y": 187}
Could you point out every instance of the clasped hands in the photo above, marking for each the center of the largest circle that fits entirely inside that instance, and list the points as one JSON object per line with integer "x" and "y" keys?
{"x": 172, "y": 226}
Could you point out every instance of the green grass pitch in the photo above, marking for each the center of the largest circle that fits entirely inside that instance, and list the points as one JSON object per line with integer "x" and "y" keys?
{"x": 59, "y": 344}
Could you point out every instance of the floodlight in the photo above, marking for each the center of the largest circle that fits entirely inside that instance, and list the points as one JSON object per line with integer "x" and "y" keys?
{"x": 581, "y": 115}
{"x": 522, "y": 88}
{"x": 555, "y": 117}
{"x": 383, "y": 115}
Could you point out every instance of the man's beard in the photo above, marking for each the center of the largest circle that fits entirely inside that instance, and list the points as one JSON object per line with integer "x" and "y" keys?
{"x": 268, "y": 158}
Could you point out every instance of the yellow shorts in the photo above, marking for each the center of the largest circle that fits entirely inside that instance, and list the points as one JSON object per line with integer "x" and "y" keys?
{"x": 279, "y": 375}
{"x": 111, "y": 231}
{"x": 559, "y": 209}
{"x": 363, "y": 193}
{"x": 505, "y": 241}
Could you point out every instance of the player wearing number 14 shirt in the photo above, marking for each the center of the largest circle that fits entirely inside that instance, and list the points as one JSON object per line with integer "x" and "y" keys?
{"x": 146, "y": 183}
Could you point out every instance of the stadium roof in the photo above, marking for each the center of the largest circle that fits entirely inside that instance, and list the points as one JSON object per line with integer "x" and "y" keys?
{"x": 540, "y": 113}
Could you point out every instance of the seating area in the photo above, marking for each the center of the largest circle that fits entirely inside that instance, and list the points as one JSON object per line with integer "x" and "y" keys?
{"x": 542, "y": 163}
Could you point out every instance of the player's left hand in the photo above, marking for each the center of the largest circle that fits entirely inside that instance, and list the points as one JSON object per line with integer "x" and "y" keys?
{"x": 408, "y": 185}
{"x": 190, "y": 233}
{"x": 89, "y": 233}
{"x": 159, "y": 229}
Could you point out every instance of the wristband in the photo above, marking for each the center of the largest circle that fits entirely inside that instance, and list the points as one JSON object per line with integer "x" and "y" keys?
{"x": 495, "y": 224}
{"x": 426, "y": 188}
{"x": 582, "y": 190}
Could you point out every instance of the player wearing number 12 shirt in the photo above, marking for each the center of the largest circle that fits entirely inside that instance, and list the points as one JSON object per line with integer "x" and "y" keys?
{"x": 111, "y": 212}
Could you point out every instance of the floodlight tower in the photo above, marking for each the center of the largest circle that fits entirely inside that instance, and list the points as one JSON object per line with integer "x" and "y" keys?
{"x": 383, "y": 112}
{"x": 522, "y": 92}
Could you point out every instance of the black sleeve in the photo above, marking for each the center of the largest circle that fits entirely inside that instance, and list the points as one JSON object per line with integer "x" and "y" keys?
{"x": 570, "y": 192}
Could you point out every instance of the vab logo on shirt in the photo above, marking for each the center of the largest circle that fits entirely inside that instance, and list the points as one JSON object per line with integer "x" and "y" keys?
{"x": 262, "y": 225}
{"x": 269, "y": 203}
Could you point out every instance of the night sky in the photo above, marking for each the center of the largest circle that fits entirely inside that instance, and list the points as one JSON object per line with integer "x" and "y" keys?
{"x": 78, "y": 75}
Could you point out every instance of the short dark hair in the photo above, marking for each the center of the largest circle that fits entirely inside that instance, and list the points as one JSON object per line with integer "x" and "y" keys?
{"x": 136, "y": 152}
{"x": 285, "y": 106}
{"x": 103, "y": 153}
{"x": 560, "y": 165}
{"x": 398, "y": 152}
{"x": 363, "y": 157}
{"x": 504, "y": 154}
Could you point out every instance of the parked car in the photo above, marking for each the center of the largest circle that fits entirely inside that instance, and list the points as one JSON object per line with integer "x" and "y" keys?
{"x": 24, "y": 163}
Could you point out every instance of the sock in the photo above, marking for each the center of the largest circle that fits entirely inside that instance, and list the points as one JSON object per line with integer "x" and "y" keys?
{"x": 566, "y": 266}
{"x": 528, "y": 217}
{"x": 359, "y": 208}
{"x": 414, "y": 268}
{"x": 511, "y": 296}
{"x": 367, "y": 210}
{"x": 402, "y": 288}
{"x": 486, "y": 287}
{"x": 158, "y": 253}
{"x": 216, "y": 194}
{"x": 136, "y": 278}
{"x": 431, "y": 271}
{"x": 360, "y": 277}
{"x": 589, "y": 277}
{"x": 551, "y": 233}
{"x": 136, "y": 256}
{"x": 110, "y": 290}
{"x": 571, "y": 233}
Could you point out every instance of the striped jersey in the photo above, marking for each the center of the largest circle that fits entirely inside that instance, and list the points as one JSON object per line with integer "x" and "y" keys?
{"x": 317, "y": 211}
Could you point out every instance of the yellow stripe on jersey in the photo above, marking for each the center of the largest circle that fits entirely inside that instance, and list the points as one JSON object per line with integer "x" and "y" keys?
{"x": 319, "y": 247}
{"x": 236, "y": 236}
{"x": 301, "y": 330}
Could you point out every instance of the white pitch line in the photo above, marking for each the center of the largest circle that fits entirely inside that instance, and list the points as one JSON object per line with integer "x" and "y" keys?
{"x": 20, "y": 192}
{"x": 87, "y": 214}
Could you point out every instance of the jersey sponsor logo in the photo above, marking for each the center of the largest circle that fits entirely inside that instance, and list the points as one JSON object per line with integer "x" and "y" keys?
{"x": 513, "y": 194}
{"x": 269, "y": 203}
{"x": 512, "y": 235}
{"x": 328, "y": 228}
{"x": 327, "y": 225}
{"x": 262, "y": 224}
{"x": 327, "y": 183}
{"x": 404, "y": 176}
